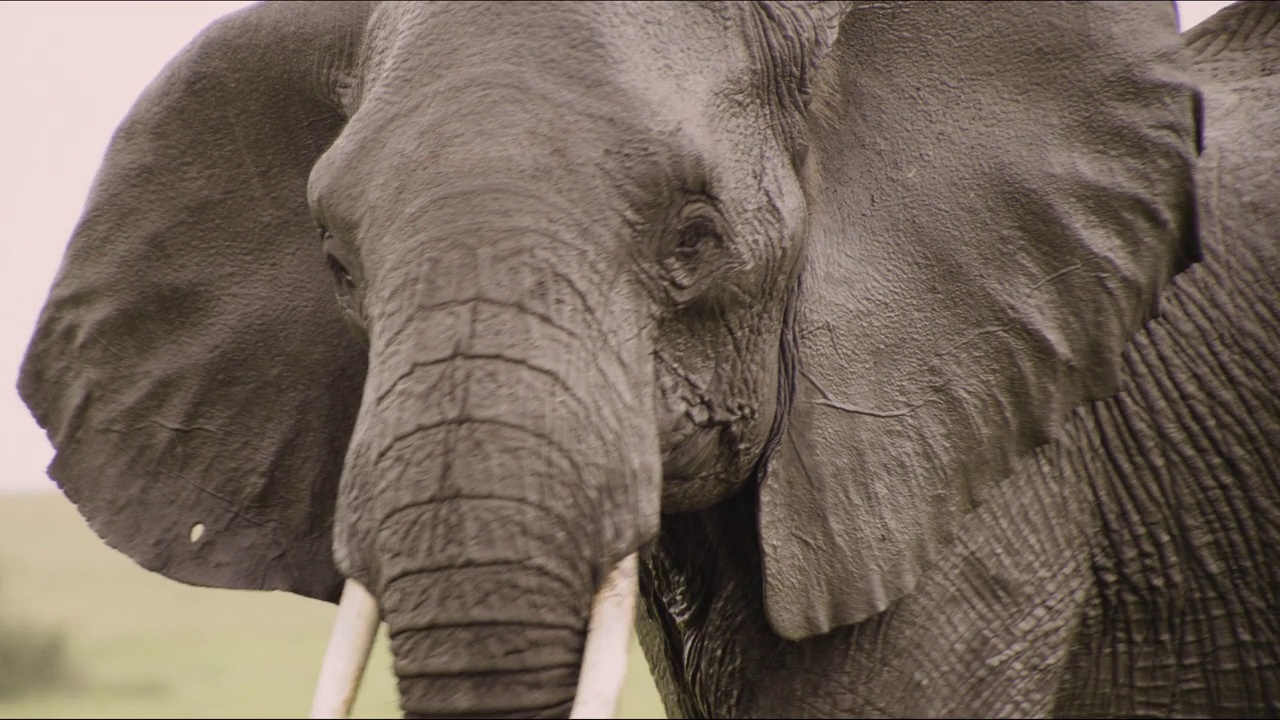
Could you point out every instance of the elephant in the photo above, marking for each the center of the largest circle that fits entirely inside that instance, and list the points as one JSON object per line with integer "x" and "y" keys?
{"x": 921, "y": 359}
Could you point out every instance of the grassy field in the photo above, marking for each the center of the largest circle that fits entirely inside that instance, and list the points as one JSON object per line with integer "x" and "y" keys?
{"x": 138, "y": 645}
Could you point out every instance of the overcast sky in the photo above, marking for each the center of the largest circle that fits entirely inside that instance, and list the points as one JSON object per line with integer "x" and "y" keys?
{"x": 74, "y": 70}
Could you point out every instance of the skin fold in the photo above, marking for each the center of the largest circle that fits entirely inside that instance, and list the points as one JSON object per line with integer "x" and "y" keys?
{"x": 926, "y": 353}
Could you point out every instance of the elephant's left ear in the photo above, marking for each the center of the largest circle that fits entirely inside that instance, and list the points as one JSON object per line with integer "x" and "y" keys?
{"x": 997, "y": 193}
{"x": 190, "y": 365}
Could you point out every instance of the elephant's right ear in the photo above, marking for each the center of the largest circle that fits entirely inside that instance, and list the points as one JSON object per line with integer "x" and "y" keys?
{"x": 190, "y": 365}
{"x": 997, "y": 193}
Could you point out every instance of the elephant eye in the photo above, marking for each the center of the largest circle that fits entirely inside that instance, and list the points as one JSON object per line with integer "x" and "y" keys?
{"x": 694, "y": 235}
{"x": 345, "y": 287}
{"x": 333, "y": 249}
{"x": 341, "y": 275}
{"x": 696, "y": 245}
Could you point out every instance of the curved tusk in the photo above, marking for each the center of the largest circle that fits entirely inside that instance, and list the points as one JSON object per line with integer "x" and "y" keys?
{"x": 347, "y": 654}
{"x": 604, "y": 658}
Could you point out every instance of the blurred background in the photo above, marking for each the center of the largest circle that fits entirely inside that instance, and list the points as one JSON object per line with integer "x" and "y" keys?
{"x": 84, "y": 632}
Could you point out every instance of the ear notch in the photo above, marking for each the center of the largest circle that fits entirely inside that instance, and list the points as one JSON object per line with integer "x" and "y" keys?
{"x": 997, "y": 193}
{"x": 190, "y": 365}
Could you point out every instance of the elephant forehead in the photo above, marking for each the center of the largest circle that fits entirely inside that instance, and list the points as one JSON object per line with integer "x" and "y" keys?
{"x": 573, "y": 96}
{"x": 675, "y": 33}
{"x": 657, "y": 60}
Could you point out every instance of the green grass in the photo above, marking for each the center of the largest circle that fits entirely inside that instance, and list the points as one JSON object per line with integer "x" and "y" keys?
{"x": 137, "y": 645}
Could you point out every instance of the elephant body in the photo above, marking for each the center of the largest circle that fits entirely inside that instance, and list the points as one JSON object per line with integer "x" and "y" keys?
{"x": 924, "y": 353}
{"x": 1127, "y": 569}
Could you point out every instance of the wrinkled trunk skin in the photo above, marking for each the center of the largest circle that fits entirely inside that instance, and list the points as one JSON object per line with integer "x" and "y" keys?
{"x": 495, "y": 632}
{"x": 486, "y": 596}
{"x": 499, "y": 468}
{"x": 493, "y": 540}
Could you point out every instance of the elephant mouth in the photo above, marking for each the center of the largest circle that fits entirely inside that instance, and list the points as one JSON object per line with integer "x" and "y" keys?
{"x": 707, "y": 460}
{"x": 702, "y": 440}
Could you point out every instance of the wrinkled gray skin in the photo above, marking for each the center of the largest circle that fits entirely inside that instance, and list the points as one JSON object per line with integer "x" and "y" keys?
{"x": 871, "y": 327}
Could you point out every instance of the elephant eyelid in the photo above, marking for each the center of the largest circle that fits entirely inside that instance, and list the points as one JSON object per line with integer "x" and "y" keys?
{"x": 694, "y": 251}
{"x": 319, "y": 217}
{"x": 340, "y": 272}
{"x": 695, "y": 233}
{"x": 339, "y": 255}
{"x": 346, "y": 284}
{"x": 698, "y": 225}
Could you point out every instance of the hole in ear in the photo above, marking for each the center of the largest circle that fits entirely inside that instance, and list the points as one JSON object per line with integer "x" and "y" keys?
{"x": 197, "y": 532}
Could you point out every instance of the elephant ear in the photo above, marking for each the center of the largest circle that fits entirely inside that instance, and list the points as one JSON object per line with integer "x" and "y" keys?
{"x": 190, "y": 364}
{"x": 997, "y": 193}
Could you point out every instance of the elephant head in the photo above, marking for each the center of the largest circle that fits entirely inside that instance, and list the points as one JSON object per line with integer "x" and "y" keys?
{"x": 594, "y": 261}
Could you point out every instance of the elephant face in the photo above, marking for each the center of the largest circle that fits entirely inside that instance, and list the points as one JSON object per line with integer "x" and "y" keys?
{"x": 663, "y": 226}
{"x": 593, "y": 261}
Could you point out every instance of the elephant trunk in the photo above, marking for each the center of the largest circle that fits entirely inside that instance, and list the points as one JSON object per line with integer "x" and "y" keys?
{"x": 507, "y": 469}
{"x": 604, "y": 661}
{"x": 494, "y": 637}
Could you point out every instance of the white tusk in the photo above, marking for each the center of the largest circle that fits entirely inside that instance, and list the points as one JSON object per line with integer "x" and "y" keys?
{"x": 604, "y": 658}
{"x": 347, "y": 654}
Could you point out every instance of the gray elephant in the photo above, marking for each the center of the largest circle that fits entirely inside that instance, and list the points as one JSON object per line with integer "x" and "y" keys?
{"x": 927, "y": 355}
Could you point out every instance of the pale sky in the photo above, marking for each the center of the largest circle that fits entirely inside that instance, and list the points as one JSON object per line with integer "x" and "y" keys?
{"x": 75, "y": 68}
